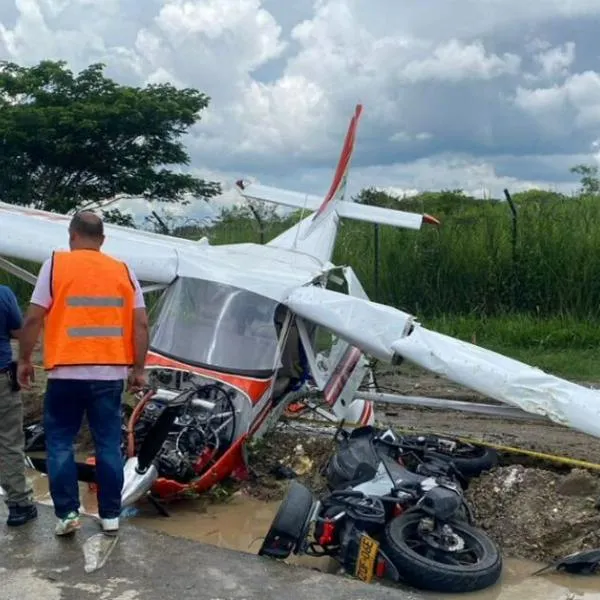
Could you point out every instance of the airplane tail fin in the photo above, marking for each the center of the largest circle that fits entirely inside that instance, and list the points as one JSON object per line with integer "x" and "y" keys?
{"x": 316, "y": 234}
{"x": 337, "y": 190}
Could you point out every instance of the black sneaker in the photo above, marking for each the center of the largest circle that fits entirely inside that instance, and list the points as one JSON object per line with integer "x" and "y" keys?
{"x": 19, "y": 515}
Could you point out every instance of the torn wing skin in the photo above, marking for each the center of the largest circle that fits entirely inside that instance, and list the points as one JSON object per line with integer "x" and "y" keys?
{"x": 387, "y": 333}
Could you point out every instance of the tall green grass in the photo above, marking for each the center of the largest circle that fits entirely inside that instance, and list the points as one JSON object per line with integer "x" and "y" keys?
{"x": 466, "y": 266}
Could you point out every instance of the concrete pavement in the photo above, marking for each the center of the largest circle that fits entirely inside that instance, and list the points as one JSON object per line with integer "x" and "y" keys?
{"x": 146, "y": 565}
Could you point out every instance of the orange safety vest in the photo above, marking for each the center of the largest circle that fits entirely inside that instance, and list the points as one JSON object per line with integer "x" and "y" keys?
{"x": 90, "y": 321}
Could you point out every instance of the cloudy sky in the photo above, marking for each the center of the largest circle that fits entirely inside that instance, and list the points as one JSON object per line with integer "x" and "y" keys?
{"x": 471, "y": 94}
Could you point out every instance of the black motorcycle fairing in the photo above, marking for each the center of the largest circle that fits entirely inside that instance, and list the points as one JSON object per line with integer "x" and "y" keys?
{"x": 401, "y": 476}
{"x": 355, "y": 462}
{"x": 359, "y": 458}
{"x": 441, "y": 502}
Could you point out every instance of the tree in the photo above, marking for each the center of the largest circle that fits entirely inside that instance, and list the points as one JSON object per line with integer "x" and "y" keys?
{"x": 375, "y": 197}
{"x": 533, "y": 196}
{"x": 83, "y": 141}
{"x": 262, "y": 214}
{"x": 178, "y": 226}
{"x": 590, "y": 182}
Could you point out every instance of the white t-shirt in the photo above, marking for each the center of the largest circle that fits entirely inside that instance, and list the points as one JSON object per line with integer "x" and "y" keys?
{"x": 41, "y": 296}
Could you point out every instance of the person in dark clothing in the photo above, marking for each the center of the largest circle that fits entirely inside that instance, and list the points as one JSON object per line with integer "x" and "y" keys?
{"x": 18, "y": 493}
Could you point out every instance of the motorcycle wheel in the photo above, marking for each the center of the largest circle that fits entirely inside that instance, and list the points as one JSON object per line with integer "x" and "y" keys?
{"x": 423, "y": 566}
{"x": 469, "y": 460}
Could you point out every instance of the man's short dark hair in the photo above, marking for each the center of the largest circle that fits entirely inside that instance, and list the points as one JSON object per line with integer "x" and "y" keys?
{"x": 87, "y": 224}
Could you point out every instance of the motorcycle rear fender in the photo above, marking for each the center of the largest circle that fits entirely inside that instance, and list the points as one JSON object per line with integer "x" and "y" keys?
{"x": 290, "y": 525}
{"x": 349, "y": 554}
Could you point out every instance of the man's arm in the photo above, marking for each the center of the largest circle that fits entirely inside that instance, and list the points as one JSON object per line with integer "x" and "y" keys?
{"x": 30, "y": 332}
{"x": 140, "y": 338}
{"x": 34, "y": 317}
{"x": 14, "y": 319}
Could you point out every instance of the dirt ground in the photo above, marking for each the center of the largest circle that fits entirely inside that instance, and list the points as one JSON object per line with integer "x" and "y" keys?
{"x": 538, "y": 514}
{"x": 272, "y": 458}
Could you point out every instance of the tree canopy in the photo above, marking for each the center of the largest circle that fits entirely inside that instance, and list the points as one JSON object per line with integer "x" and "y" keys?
{"x": 72, "y": 141}
{"x": 590, "y": 181}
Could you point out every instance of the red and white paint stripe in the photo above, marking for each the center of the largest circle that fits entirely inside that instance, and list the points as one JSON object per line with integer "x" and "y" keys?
{"x": 341, "y": 374}
{"x": 367, "y": 412}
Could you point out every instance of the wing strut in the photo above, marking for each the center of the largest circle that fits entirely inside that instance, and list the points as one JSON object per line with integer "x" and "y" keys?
{"x": 17, "y": 271}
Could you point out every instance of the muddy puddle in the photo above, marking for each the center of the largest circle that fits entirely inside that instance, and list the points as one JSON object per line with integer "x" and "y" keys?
{"x": 240, "y": 522}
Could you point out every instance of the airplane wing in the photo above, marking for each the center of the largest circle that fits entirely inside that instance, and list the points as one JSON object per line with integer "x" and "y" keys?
{"x": 390, "y": 334}
{"x": 32, "y": 235}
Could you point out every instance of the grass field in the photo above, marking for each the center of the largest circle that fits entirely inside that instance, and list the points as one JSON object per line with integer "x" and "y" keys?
{"x": 563, "y": 346}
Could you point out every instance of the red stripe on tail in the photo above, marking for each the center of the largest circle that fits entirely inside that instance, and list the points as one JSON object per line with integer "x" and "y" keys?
{"x": 344, "y": 161}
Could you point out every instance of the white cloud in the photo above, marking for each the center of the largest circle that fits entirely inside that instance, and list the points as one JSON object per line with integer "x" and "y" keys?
{"x": 576, "y": 101}
{"x": 556, "y": 61}
{"x": 398, "y": 192}
{"x": 449, "y": 89}
{"x": 478, "y": 178}
{"x": 454, "y": 61}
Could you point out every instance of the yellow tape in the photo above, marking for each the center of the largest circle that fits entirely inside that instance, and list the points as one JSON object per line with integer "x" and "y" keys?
{"x": 574, "y": 462}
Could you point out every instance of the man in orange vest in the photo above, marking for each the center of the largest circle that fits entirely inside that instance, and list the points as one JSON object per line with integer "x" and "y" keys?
{"x": 95, "y": 337}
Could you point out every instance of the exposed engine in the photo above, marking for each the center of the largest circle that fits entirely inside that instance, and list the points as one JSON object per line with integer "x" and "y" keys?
{"x": 198, "y": 436}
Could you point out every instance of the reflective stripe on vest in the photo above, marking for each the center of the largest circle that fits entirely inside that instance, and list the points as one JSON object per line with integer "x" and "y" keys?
{"x": 94, "y": 301}
{"x": 95, "y": 331}
{"x": 90, "y": 321}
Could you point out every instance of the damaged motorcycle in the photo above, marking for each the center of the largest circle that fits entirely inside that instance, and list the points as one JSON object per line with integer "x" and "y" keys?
{"x": 384, "y": 520}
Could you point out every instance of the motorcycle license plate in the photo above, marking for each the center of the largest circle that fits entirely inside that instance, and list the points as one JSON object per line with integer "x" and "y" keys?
{"x": 365, "y": 561}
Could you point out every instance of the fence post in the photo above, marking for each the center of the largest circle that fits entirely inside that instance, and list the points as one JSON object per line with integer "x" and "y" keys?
{"x": 514, "y": 248}
{"x": 376, "y": 259}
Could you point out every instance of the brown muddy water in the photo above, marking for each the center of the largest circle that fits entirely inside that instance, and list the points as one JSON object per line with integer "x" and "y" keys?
{"x": 241, "y": 522}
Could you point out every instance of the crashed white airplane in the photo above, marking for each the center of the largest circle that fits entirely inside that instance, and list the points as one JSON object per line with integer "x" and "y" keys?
{"x": 230, "y": 312}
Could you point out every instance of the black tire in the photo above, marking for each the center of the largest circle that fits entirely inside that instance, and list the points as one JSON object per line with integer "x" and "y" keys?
{"x": 478, "y": 460}
{"x": 288, "y": 528}
{"x": 425, "y": 573}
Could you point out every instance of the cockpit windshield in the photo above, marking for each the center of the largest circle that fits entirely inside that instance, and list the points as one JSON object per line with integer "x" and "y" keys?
{"x": 210, "y": 324}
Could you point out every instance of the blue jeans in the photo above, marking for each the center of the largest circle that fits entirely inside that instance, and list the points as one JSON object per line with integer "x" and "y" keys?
{"x": 65, "y": 402}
